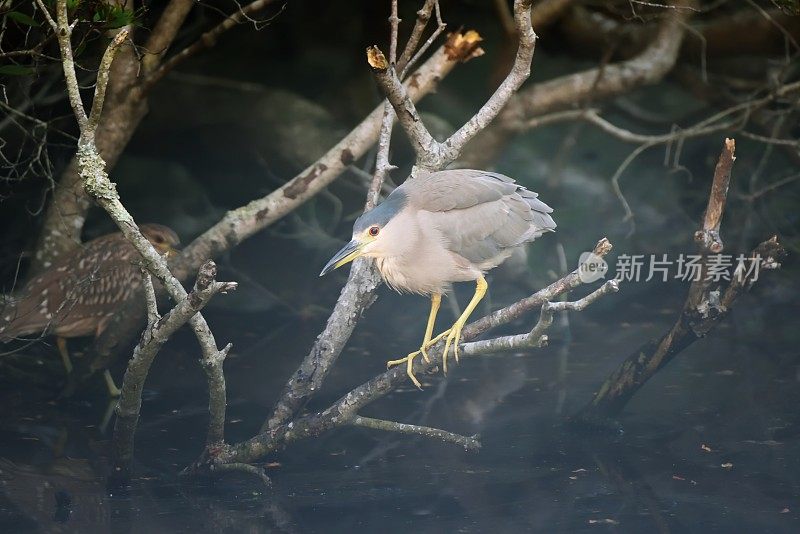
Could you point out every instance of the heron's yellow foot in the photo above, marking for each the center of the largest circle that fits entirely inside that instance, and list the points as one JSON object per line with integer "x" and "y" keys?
{"x": 453, "y": 338}
{"x": 409, "y": 361}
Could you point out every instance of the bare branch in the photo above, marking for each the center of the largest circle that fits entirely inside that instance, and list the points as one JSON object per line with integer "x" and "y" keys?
{"x": 382, "y": 165}
{"x": 708, "y": 236}
{"x": 403, "y": 68}
{"x": 592, "y": 117}
{"x": 394, "y": 22}
{"x": 423, "y": 142}
{"x": 470, "y": 443}
{"x": 536, "y": 338}
{"x": 702, "y": 310}
{"x": 164, "y": 32}
{"x": 64, "y": 32}
{"x": 100, "y": 86}
{"x": 520, "y": 71}
{"x": 150, "y": 299}
{"x": 651, "y": 65}
{"x": 423, "y": 16}
{"x": 92, "y": 170}
{"x": 431, "y": 154}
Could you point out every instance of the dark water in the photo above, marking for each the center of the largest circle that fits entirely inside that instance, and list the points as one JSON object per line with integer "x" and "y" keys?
{"x": 712, "y": 444}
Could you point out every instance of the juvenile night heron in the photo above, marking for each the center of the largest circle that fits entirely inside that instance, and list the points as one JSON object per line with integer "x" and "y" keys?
{"x": 80, "y": 293}
{"x": 444, "y": 227}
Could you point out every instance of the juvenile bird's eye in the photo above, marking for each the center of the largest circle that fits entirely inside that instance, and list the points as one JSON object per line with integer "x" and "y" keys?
{"x": 373, "y": 230}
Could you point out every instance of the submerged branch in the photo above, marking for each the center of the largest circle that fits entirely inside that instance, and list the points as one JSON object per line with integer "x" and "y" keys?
{"x": 156, "y": 334}
{"x": 470, "y": 443}
{"x": 702, "y": 311}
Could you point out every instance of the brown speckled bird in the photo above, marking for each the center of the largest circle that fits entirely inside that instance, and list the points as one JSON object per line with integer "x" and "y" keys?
{"x": 79, "y": 294}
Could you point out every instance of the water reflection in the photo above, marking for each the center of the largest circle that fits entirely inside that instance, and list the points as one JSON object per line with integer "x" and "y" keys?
{"x": 710, "y": 445}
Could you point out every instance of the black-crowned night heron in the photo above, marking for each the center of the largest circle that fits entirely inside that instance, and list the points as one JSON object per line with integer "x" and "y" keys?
{"x": 80, "y": 293}
{"x": 444, "y": 227}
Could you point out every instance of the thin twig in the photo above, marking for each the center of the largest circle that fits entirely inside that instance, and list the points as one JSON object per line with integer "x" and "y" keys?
{"x": 100, "y": 86}
{"x": 536, "y": 338}
{"x": 423, "y": 16}
{"x": 394, "y": 23}
{"x": 432, "y": 155}
{"x": 440, "y": 27}
{"x": 64, "y": 32}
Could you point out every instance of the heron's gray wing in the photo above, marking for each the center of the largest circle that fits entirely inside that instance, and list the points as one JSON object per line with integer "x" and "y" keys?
{"x": 481, "y": 214}
{"x": 456, "y": 189}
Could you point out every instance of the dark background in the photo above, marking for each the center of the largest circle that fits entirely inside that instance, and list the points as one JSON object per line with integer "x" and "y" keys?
{"x": 244, "y": 117}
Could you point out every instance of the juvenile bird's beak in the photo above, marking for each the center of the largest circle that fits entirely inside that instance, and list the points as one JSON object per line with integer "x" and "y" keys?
{"x": 349, "y": 252}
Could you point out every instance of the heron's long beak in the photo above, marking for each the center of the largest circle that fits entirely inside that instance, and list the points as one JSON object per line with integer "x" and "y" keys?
{"x": 349, "y": 252}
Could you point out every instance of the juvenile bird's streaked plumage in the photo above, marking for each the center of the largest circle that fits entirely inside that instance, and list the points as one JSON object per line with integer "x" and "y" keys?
{"x": 79, "y": 294}
{"x": 443, "y": 227}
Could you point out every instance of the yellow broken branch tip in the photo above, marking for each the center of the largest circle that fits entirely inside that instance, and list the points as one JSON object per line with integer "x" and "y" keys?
{"x": 376, "y": 59}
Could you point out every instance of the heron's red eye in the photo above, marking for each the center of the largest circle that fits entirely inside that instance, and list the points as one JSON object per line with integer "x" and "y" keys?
{"x": 373, "y": 230}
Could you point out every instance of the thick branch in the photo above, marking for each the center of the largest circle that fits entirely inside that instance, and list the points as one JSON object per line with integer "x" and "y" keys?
{"x": 164, "y": 32}
{"x": 597, "y": 83}
{"x": 67, "y": 208}
{"x": 385, "y": 75}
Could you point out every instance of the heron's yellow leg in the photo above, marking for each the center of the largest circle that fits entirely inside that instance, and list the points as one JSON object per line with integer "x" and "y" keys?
{"x": 113, "y": 390}
{"x": 436, "y": 301}
{"x": 454, "y": 334}
{"x": 61, "y": 343}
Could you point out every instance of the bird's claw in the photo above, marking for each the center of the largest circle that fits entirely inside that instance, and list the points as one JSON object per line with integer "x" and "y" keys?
{"x": 454, "y": 339}
{"x": 409, "y": 361}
